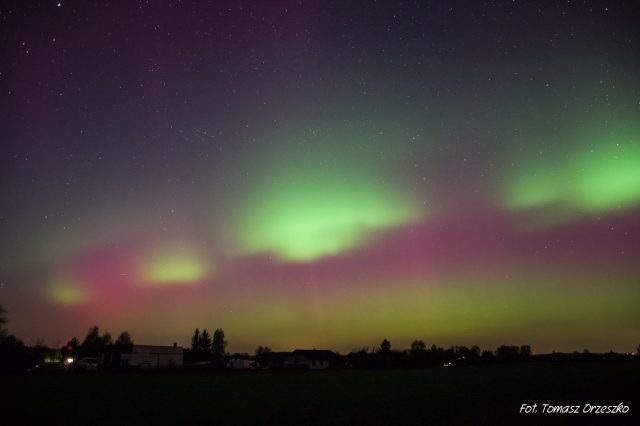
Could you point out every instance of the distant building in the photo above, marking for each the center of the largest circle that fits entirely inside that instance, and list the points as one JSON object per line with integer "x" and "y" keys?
{"x": 312, "y": 359}
{"x": 240, "y": 364}
{"x": 148, "y": 356}
{"x": 273, "y": 359}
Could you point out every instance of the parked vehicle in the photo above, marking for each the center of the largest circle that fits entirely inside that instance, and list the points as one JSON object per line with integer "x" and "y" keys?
{"x": 87, "y": 364}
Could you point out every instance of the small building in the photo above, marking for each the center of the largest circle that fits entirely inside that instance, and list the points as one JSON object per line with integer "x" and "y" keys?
{"x": 240, "y": 364}
{"x": 149, "y": 356}
{"x": 312, "y": 359}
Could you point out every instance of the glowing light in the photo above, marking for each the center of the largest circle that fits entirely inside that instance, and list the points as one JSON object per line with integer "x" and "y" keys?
{"x": 608, "y": 177}
{"x": 305, "y": 219}
{"x": 323, "y": 201}
{"x": 174, "y": 267}
{"x": 528, "y": 191}
{"x": 596, "y": 180}
{"x": 68, "y": 292}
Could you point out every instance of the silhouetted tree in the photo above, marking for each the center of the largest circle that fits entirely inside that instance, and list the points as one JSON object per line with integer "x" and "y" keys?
{"x": 487, "y": 357}
{"x": 92, "y": 335}
{"x": 123, "y": 344}
{"x": 14, "y": 355}
{"x": 436, "y": 355}
{"x": 385, "y": 346}
{"x": 418, "y": 346}
{"x": 359, "y": 358}
{"x": 262, "y": 355}
{"x": 475, "y": 351}
{"x": 507, "y": 353}
{"x": 205, "y": 341}
{"x": 93, "y": 342}
{"x": 638, "y": 350}
{"x": 418, "y": 355}
{"x": 124, "y": 339}
{"x": 450, "y": 354}
{"x": 466, "y": 355}
{"x": 195, "y": 341}
{"x": 40, "y": 350}
{"x": 106, "y": 339}
{"x": 3, "y": 320}
{"x": 219, "y": 346}
{"x": 383, "y": 357}
{"x": 525, "y": 351}
{"x": 262, "y": 350}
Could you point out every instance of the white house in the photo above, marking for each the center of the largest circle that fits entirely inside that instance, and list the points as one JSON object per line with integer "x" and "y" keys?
{"x": 148, "y": 356}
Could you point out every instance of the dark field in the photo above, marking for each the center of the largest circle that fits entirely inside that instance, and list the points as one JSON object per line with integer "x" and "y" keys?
{"x": 470, "y": 395}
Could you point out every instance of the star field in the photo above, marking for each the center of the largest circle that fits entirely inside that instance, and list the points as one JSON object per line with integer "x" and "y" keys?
{"x": 322, "y": 174}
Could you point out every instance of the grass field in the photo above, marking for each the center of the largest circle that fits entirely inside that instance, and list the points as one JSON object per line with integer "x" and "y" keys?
{"x": 470, "y": 395}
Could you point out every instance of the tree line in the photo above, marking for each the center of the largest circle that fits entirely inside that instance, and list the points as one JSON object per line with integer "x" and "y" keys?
{"x": 211, "y": 350}
{"x": 418, "y": 355}
{"x": 205, "y": 349}
{"x": 95, "y": 344}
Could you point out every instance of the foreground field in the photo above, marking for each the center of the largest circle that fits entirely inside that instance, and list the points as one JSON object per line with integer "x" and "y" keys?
{"x": 471, "y": 395}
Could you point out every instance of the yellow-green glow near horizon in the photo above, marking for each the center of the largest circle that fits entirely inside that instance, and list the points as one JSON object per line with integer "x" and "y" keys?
{"x": 594, "y": 180}
{"x": 174, "y": 268}
{"x": 479, "y": 306}
{"x": 68, "y": 292}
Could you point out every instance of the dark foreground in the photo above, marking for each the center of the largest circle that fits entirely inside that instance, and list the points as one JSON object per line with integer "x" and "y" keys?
{"x": 470, "y": 395}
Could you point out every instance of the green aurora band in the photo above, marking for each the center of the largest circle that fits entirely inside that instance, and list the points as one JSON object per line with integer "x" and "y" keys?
{"x": 321, "y": 201}
{"x": 600, "y": 177}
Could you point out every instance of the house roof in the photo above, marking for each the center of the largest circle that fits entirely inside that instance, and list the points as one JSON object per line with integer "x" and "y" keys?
{"x": 314, "y": 354}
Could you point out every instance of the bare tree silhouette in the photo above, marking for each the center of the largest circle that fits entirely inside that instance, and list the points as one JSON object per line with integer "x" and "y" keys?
{"x": 219, "y": 346}
{"x": 385, "y": 346}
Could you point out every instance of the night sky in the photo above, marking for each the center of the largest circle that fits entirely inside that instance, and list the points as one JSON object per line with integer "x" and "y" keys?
{"x": 322, "y": 174}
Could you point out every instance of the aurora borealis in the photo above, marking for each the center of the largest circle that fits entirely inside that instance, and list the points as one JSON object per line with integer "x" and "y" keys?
{"x": 323, "y": 174}
{"x": 328, "y": 195}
